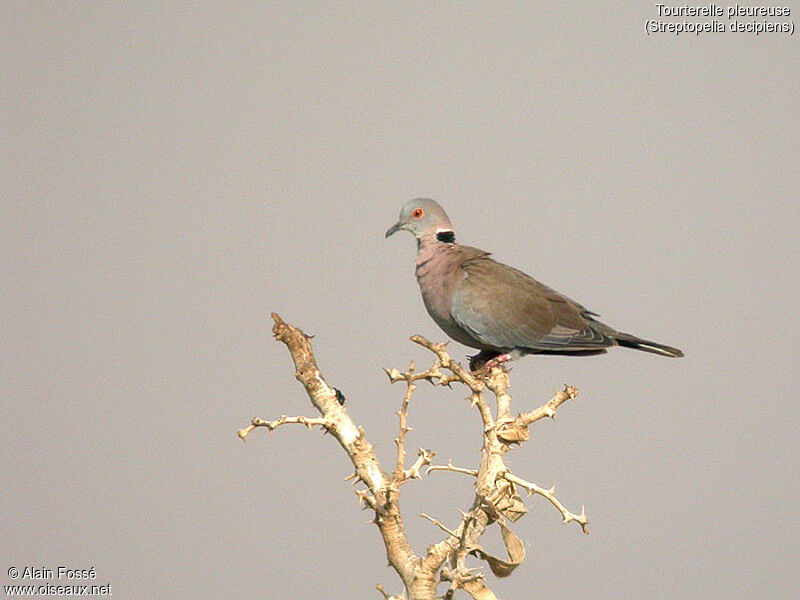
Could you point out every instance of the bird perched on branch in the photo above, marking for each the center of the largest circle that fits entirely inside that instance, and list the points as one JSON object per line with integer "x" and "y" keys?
{"x": 495, "y": 308}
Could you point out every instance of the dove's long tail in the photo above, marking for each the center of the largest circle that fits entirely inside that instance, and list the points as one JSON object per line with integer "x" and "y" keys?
{"x": 631, "y": 341}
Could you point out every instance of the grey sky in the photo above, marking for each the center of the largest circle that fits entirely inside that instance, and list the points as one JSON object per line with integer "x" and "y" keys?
{"x": 171, "y": 174}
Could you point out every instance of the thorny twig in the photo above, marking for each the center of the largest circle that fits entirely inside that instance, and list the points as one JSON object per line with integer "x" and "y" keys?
{"x": 495, "y": 500}
{"x": 309, "y": 422}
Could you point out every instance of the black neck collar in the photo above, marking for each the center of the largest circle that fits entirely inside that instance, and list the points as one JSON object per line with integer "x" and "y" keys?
{"x": 447, "y": 237}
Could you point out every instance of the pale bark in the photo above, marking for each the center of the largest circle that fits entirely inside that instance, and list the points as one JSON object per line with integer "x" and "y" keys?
{"x": 496, "y": 500}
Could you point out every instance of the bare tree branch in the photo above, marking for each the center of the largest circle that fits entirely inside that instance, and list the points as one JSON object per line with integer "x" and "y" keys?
{"x": 550, "y": 495}
{"x": 438, "y": 523}
{"x": 353, "y": 441}
{"x": 548, "y": 409}
{"x": 387, "y": 596}
{"x": 399, "y": 473}
{"x": 449, "y": 467}
{"x": 424, "y": 458}
{"x": 495, "y": 501}
{"x": 309, "y": 422}
{"x": 516, "y": 430}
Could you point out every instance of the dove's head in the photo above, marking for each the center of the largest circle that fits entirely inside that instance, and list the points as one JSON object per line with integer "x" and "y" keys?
{"x": 424, "y": 217}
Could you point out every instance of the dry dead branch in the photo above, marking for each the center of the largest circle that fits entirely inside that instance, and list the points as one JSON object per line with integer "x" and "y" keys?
{"x": 496, "y": 500}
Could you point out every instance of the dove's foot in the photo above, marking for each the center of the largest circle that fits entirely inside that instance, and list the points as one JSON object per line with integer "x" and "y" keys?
{"x": 485, "y": 361}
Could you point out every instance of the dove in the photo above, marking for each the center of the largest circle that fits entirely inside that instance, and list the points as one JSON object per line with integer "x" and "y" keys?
{"x": 495, "y": 308}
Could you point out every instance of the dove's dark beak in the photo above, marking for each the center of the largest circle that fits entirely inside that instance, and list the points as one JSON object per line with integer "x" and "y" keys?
{"x": 394, "y": 229}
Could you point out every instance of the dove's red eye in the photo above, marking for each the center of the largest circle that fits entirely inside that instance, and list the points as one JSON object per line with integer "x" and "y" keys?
{"x": 417, "y": 213}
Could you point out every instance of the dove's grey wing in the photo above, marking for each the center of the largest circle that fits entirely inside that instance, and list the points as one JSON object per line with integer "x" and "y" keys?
{"x": 506, "y": 309}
